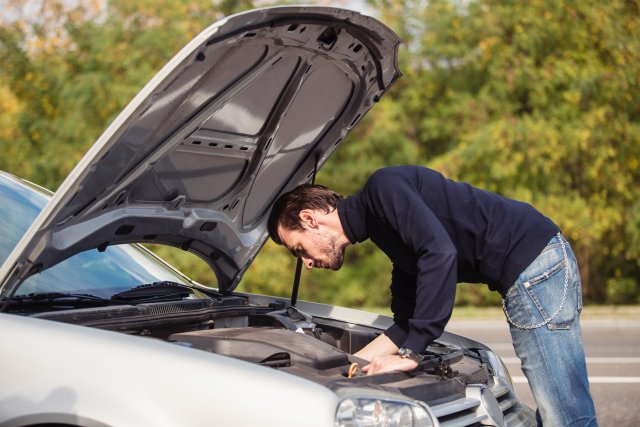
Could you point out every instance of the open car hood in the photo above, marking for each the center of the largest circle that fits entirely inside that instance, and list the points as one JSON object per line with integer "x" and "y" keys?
{"x": 246, "y": 111}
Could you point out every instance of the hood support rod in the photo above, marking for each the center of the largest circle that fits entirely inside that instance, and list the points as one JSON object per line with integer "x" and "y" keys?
{"x": 296, "y": 278}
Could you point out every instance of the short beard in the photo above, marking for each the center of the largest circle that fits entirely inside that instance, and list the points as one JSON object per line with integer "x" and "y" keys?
{"x": 327, "y": 244}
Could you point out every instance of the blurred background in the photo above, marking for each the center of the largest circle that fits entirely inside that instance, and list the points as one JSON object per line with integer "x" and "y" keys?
{"x": 535, "y": 100}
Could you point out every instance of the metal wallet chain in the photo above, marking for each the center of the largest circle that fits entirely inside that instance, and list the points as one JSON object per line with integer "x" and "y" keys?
{"x": 564, "y": 295}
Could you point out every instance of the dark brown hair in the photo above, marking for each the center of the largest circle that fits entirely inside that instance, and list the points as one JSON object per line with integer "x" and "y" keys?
{"x": 286, "y": 209}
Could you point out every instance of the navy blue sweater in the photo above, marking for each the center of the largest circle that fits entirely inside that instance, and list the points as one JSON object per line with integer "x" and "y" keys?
{"x": 437, "y": 233}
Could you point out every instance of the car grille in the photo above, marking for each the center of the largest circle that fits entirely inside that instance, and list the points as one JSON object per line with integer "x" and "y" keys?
{"x": 474, "y": 410}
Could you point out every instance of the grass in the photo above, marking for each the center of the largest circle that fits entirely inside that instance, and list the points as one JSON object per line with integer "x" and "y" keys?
{"x": 628, "y": 312}
{"x": 614, "y": 311}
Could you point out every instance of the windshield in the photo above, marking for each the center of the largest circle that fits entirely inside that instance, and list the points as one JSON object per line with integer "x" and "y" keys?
{"x": 103, "y": 274}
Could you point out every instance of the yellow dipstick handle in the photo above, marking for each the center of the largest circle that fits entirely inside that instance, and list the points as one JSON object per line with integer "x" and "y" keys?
{"x": 353, "y": 370}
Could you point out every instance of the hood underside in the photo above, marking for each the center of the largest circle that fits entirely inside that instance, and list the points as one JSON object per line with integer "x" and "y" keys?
{"x": 246, "y": 111}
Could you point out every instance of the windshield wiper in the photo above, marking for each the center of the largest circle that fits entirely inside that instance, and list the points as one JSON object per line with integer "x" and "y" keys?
{"x": 156, "y": 291}
{"x": 150, "y": 292}
{"x": 46, "y": 298}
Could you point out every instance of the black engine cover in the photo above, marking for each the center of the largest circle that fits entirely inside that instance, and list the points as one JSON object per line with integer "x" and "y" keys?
{"x": 265, "y": 345}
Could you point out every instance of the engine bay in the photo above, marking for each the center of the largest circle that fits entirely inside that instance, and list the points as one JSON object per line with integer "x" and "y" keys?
{"x": 318, "y": 349}
{"x": 443, "y": 376}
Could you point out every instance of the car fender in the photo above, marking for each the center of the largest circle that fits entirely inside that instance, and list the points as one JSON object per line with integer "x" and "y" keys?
{"x": 57, "y": 372}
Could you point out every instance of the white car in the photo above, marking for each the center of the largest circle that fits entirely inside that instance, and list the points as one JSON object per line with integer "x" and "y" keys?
{"x": 98, "y": 331}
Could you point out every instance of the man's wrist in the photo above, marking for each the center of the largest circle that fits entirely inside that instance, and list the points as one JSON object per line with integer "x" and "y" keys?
{"x": 407, "y": 353}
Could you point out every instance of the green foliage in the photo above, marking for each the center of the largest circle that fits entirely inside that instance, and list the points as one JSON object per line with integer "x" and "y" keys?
{"x": 534, "y": 100}
{"x": 67, "y": 92}
{"x": 622, "y": 291}
{"x": 470, "y": 294}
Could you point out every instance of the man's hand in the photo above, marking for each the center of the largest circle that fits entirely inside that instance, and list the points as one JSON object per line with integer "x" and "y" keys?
{"x": 384, "y": 358}
{"x": 381, "y": 346}
{"x": 392, "y": 362}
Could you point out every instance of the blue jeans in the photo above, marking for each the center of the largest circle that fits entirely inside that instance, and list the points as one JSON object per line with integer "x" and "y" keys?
{"x": 543, "y": 308}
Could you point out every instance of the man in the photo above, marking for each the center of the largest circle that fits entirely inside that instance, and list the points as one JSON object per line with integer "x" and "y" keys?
{"x": 437, "y": 233}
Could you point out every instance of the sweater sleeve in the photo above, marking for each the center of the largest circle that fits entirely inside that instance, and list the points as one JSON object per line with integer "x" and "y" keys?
{"x": 403, "y": 292}
{"x": 398, "y": 204}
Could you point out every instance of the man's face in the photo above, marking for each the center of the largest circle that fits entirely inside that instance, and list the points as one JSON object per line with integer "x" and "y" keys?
{"x": 317, "y": 247}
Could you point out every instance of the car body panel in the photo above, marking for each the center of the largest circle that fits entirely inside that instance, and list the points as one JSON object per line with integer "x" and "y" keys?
{"x": 144, "y": 382}
{"x": 250, "y": 108}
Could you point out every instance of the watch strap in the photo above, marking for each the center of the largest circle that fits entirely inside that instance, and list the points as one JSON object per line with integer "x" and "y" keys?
{"x": 407, "y": 353}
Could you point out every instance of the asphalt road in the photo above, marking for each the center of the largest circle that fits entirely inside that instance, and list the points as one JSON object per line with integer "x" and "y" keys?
{"x": 612, "y": 347}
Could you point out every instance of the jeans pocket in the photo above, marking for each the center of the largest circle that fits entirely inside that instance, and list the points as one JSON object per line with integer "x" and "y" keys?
{"x": 553, "y": 297}
{"x": 543, "y": 294}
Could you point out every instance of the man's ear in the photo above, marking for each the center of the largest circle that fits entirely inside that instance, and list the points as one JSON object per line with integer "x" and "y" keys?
{"x": 308, "y": 218}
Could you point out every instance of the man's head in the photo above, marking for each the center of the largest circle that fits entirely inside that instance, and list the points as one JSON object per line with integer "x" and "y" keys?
{"x": 305, "y": 220}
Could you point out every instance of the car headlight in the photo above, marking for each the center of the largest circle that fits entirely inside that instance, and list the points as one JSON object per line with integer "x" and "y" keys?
{"x": 499, "y": 369}
{"x": 382, "y": 412}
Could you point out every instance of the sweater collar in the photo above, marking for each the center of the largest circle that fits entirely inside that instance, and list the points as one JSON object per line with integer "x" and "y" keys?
{"x": 353, "y": 219}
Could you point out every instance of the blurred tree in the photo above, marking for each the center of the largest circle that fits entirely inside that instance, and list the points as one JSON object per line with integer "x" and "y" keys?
{"x": 534, "y": 100}
{"x": 71, "y": 70}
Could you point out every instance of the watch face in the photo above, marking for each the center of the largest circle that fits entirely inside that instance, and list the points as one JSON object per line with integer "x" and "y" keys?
{"x": 410, "y": 354}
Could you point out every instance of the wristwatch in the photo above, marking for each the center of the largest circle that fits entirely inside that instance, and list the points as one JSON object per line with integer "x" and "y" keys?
{"x": 407, "y": 353}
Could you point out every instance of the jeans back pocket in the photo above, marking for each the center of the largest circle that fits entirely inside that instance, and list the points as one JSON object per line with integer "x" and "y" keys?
{"x": 544, "y": 294}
